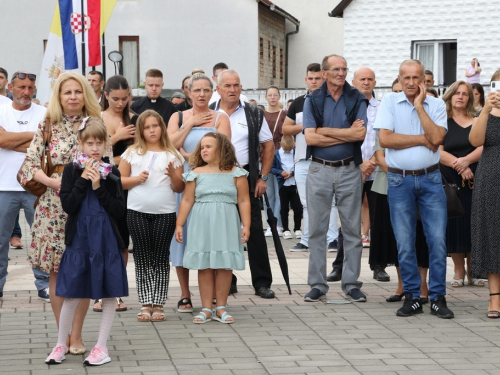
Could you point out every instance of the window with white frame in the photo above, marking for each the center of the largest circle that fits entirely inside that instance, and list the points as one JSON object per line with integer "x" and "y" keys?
{"x": 438, "y": 56}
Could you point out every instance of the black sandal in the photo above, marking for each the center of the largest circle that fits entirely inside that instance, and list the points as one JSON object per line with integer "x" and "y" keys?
{"x": 184, "y": 302}
{"x": 493, "y": 314}
{"x": 395, "y": 298}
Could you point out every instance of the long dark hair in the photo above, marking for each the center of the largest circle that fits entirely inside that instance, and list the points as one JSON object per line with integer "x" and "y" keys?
{"x": 117, "y": 83}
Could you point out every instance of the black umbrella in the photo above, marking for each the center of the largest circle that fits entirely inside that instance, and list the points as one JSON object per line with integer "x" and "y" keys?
{"x": 273, "y": 222}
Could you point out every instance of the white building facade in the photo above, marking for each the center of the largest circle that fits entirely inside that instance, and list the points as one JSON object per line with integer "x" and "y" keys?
{"x": 445, "y": 35}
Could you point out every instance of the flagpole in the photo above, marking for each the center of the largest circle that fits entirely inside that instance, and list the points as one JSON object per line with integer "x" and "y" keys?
{"x": 83, "y": 39}
{"x": 103, "y": 57}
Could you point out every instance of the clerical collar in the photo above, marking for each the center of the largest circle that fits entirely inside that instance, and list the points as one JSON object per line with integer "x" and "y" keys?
{"x": 152, "y": 100}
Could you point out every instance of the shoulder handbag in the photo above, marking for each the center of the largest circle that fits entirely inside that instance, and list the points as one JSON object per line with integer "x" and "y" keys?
{"x": 453, "y": 203}
{"x": 33, "y": 187}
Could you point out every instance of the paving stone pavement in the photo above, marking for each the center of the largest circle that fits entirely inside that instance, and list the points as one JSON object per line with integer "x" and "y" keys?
{"x": 281, "y": 336}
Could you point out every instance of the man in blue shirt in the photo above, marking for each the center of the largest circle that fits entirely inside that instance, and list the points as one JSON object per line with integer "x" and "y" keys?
{"x": 411, "y": 127}
{"x": 334, "y": 127}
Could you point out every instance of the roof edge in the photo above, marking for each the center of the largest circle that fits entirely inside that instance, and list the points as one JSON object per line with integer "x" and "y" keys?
{"x": 338, "y": 11}
{"x": 279, "y": 11}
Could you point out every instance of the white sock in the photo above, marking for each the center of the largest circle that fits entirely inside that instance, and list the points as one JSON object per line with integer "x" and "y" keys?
{"x": 108, "y": 315}
{"x": 66, "y": 319}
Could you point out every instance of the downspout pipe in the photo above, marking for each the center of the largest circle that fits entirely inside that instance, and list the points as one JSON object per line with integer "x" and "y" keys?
{"x": 286, "y": 53}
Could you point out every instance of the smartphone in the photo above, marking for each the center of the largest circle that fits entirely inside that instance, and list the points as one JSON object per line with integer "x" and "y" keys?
{"x": 495, "y": 85}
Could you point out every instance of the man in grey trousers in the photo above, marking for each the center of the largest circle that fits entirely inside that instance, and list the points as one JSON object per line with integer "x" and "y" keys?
{"x": 335, "y": 118}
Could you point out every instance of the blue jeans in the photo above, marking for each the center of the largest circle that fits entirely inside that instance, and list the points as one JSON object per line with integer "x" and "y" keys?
{"x": 405, "y": 195}
{"x": 11, "y": 202}
{"x": 16, "y": 232}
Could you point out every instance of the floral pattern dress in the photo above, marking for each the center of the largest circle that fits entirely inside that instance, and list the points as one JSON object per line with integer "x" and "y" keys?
{"x": 48, "y": 229}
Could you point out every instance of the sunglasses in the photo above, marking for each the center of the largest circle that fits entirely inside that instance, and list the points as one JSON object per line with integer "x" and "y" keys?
{"x": 20, "y": 75}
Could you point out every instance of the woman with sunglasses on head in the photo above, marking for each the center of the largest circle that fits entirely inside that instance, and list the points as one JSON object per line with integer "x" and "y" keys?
{"x": 185, "y": 130}
{"x": 72, "y": 99}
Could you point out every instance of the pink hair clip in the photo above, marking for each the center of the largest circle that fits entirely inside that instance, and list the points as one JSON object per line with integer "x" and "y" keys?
{"x": 84, "y": 122}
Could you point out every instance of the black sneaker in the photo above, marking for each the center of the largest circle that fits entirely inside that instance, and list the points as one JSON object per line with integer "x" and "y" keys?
{"x": 314, "y": 295}
{"x": 410, "y": 306}
{"x": 439, "y": 308}
{"x": 356, "y": 295}
{"x": 44, "y": 295}
{"x": 299, "y": 247}
{"x": 333, "y": 246}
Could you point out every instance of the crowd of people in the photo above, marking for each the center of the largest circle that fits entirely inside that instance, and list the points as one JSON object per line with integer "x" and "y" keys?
{"x": 159, "y": 173}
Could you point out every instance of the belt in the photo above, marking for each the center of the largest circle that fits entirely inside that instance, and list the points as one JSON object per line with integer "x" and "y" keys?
{"x": 58, "y": 168}
{"x": 416, "y": 172}
{"x": 338, "y": 163}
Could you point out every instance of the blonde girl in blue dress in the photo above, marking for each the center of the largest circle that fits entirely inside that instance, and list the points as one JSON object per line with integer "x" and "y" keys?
{"x": 216, "y": 189}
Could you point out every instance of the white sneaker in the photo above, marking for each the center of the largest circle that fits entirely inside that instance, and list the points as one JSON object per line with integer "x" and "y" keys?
{"x": 298, "y": 234}
{"x": 268, "y": 232}
{"x": 287, "y": 235}
{"x": 280, "y": 232}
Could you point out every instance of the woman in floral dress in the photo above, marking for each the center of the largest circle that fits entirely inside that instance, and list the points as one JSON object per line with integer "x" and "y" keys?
{"x": 72, "y": 100}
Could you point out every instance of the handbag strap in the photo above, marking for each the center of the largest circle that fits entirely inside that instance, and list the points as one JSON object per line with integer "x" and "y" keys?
{"x": 47, "y": 137}
{"x": 277, "y": 119}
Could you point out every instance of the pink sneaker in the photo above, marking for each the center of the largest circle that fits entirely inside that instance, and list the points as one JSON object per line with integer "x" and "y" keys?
{"x": 57, "y": 355}
{"x": 98, "y": 356}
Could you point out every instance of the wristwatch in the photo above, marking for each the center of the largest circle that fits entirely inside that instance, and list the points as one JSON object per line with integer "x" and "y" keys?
{"x": 263, "y": 177}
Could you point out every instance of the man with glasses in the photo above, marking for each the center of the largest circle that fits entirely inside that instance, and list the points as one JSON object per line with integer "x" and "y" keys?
{"x": 18, "y": 123}
{"x": 335, "y": 118}
{"x": 293, "y": 125}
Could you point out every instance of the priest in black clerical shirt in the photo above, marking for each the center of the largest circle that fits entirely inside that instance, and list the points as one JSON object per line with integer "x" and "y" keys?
{"x": 153, "y": 100}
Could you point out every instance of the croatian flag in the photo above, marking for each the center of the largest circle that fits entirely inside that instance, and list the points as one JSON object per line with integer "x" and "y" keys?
{"x": 64, "y": 44}
{"x": 72, "y": 27}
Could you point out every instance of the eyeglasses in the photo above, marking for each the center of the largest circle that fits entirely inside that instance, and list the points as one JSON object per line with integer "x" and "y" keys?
{"x": 337, "y": 70}
{"x": 21, "y": 75}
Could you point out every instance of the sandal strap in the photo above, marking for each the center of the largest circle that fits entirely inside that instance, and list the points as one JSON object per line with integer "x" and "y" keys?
{"x": 204, "y": 316}
{"x": 220, "y": 308}
{"x": 184, "y": 302}
{"x": 494, "y": 294}
{"x": 225, "y": 316}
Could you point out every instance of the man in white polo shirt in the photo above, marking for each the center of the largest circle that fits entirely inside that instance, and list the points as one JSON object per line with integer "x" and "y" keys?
{"x": 18, "y": 123}
{"x": 249, "y": 131}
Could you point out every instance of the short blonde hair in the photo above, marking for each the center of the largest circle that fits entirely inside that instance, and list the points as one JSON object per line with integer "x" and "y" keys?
{"x": 287, "y": 142}
{"x": 91, "y": 107}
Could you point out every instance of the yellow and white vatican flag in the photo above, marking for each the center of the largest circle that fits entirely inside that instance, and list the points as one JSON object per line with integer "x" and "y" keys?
{"x": 63, "y": 50}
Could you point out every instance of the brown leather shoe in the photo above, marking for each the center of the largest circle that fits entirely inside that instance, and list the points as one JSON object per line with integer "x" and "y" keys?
{"x": 16, "y": 243}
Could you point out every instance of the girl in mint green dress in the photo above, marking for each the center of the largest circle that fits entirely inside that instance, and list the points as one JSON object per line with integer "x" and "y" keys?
{"x": 215, "y": 233}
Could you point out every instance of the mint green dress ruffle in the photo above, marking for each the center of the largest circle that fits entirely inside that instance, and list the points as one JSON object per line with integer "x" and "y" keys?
{"x": 214, "y": 230}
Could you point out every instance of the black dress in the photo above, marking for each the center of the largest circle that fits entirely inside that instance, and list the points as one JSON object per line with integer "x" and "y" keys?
{"x": 118, "y": 149}
{"x": 458, "y": 231}
{"x": 485, "y": 216}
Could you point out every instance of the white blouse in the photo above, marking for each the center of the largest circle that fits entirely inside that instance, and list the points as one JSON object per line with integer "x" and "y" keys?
{"x": 155, "y": 196}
